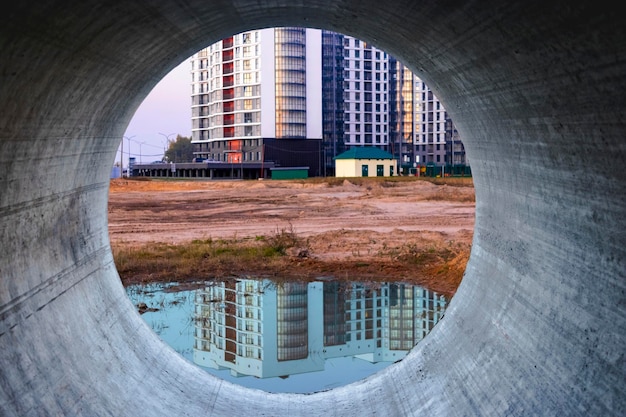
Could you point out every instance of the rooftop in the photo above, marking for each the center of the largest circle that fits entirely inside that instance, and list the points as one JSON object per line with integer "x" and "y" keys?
{"x": 368, "y": 152}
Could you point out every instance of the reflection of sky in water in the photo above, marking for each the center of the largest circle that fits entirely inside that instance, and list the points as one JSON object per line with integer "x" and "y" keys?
{"x": 337, "y": 372}
{"x": 174, "y": 323}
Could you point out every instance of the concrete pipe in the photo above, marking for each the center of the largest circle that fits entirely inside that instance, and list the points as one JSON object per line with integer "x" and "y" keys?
{"x": 537, "y": 92}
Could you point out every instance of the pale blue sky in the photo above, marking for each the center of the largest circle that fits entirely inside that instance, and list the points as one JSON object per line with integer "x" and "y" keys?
{"x": 166, "y": 111}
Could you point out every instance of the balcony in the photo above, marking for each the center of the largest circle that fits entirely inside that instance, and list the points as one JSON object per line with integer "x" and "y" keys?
{"x": 227, "y": 43}
{"x": 227, "y": 55}
{"x": 227, "y": 68}
{"x": 229, "y": 132}
{"x": 229, "y": 106}
{"x": 228, "y": 94}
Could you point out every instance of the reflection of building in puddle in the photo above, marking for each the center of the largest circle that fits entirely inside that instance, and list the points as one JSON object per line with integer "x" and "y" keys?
{"x": 257, "y": 328}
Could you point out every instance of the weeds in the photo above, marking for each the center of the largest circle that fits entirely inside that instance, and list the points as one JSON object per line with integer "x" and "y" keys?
{"x": 411, "y": 253}
{"x": 282, "y": 240}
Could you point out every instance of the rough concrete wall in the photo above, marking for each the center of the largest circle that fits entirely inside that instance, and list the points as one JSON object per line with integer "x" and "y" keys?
{"x": 536, "y": 91}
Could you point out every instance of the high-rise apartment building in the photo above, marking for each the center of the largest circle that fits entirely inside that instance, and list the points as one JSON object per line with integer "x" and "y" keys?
{"x": 255, "y": 89}
{"x": 258, "y": 328}
{"x": 421, "y": 131}
{"x": 431, "y": 119}
{"x": 333, "y": 115}
{"x": 263, "y": 95}
{"x": 365, "y": 94}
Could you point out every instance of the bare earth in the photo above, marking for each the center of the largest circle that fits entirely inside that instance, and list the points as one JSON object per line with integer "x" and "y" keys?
{"x": 358, "y": 228}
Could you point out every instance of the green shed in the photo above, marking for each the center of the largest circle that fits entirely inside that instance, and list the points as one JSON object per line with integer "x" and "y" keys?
{"x": 289, "y": 173}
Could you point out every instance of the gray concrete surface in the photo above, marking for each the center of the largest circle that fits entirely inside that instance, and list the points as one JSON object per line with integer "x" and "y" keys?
{"x": 537, "y": 91}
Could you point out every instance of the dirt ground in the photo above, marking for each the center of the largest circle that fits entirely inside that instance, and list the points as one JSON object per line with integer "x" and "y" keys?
{"x": 411, "y": 230}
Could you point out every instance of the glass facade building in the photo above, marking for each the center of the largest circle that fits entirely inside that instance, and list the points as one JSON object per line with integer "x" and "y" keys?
{"x": 265, "y": 329}
{"x": 290, "y": 75}
{"x": 255, "y": 85}
{"x": 298, "y": 84}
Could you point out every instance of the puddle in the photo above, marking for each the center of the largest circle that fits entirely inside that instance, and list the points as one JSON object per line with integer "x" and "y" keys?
{"x": 290, "y": 337}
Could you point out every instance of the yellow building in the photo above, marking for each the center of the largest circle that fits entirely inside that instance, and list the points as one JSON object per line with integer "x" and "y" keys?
{"x": 365, "y": 162}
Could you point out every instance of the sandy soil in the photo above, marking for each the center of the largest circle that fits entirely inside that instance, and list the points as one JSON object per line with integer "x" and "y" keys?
{"x": 345, "y": 223}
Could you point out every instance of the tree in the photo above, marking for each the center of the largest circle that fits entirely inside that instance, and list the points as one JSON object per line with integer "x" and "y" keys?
{"x": 179, "y": 150}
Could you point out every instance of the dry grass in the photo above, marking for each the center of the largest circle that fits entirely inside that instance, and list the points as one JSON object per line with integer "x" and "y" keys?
{"x": 204, "y": 258}
{"x": 285, "y": 256}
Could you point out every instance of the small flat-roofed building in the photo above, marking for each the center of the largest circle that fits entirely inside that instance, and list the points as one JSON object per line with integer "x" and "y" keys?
{"x": 289, "y": 173}
{"x": 365, "y": 162}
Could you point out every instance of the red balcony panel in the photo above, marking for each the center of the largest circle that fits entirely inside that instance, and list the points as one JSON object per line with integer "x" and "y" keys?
{"x": 227, "y": 43}
{"x": 229, "y": 106}
{"x": 227, "y": 55}
{"x": 228, "y": 94}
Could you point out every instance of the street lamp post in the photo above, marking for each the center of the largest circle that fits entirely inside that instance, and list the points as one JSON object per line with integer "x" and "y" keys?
{"x": 167, "y": 141}
{"x": 122, "y": 154}
{"x": 140, "y": 157}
